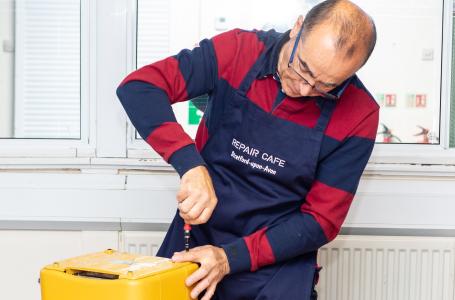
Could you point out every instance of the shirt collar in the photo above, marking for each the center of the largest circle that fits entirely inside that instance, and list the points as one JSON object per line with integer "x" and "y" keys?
{"x": 271, "y": 63}
{"x": 339, "y": 90}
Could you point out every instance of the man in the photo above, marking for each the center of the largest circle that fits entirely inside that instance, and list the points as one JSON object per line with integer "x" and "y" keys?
{"x": 285, "y": 137}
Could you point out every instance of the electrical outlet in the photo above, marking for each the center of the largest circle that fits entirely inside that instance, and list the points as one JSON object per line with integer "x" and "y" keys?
{"x": 221, "y": 24}
{"x": 8, "y": 46}
{"x": 427, "y": 54}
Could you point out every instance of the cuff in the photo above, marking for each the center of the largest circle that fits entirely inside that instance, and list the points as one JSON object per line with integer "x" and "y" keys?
{"x": 238, "y": 256}
{"x": 185, "y": 159}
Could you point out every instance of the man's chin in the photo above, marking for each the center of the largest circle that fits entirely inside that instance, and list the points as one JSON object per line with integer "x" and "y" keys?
{"x": 291, "y": 94}
{"x": 294, "y": 94}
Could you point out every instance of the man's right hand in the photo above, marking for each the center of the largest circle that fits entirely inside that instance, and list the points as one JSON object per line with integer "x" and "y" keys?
{"x": 196, "y": 198}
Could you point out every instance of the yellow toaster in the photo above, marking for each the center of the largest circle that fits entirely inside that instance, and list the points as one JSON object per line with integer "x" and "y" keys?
{"x": 112, "y": 275}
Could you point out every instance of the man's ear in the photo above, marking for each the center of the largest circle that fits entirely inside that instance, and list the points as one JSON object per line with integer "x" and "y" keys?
{"x": 297, "y": 26}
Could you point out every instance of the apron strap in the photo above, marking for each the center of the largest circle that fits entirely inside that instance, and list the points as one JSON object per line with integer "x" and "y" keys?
{"x": 251, "y": 75}
{"x": 327, "y": 107}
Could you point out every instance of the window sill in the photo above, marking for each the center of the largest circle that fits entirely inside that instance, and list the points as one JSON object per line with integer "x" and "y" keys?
{"x": 413, "y": 154}
{"x": 150, "y": 165}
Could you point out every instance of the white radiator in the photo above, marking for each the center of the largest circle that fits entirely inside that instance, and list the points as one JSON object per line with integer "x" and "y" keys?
{"x": 387, "y": 268}
{"x": 141, "y": 242}
{"x": 364, "y": 267}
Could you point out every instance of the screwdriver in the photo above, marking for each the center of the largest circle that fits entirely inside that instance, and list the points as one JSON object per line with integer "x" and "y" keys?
{"x": 186, "y": 235}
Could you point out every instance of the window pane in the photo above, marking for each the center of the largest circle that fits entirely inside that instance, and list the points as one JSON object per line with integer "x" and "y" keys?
{"x": 160, "y": 34}
{"x": 40, "y": 69}
{"x": 403, "y": 74}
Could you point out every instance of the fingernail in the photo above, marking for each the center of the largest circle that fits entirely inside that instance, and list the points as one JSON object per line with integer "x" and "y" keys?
{"x": 188, "y": 282}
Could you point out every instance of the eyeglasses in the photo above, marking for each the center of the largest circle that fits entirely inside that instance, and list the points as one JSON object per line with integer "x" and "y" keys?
{"x": 313, "y": 86}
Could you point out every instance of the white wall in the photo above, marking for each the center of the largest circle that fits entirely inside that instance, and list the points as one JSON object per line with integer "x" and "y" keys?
{"x": 25, "y": 253}
{"x": 118, "y": 198}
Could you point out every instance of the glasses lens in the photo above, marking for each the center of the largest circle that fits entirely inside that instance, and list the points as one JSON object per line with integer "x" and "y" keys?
{"x": 315, "y": 88}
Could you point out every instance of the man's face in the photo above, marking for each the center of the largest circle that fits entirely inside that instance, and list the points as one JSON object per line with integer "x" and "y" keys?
{"x": 321, "y": 65}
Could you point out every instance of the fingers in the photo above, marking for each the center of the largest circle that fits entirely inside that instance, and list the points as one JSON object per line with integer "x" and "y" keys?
{"x": 203, "y": 284}
{"x": 196, "y": 197}
{"x": 193, "y": 215}
{"x": 185, "y": 256}
{"x": 186, "y": 205}
{"x": 197, "y": 208}
{"x": 204, "y": 216}
{"x": 210, "y": 292}
{"x": 182, "y": 194}
{"x": 198, "y": 275}
{"x": 212, "y": 269}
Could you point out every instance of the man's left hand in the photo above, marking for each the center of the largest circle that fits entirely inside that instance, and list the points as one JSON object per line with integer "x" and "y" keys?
{"x": 214, "y": 266}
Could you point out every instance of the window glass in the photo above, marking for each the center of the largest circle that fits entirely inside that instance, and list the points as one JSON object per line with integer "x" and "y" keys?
{"x": 452, "y": 100}
{"x": 40, "y": 69}
{"x": 404, "y": 72}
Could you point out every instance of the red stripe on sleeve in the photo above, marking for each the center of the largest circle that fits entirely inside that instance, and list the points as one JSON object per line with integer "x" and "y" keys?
{"x": 354, "y": 107}
{"x": 329, "y": 206}
{"x": 368, "y": 128}
{"x": 236, "y": 52}
{"x": 168, "y": 138}
{"x": 261, "y": 253}
{"x": 164, "y": 74}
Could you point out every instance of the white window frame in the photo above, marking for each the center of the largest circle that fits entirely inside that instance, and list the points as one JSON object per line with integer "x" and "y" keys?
{"x": 64, "y": 148}
{"x": 103, "y": 122}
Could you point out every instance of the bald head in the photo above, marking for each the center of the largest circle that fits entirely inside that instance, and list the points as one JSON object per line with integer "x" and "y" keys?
{"x": 353, "y": 30}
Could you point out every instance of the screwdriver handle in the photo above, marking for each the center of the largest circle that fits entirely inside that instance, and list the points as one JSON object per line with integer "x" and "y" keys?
{"x": 187, "y": 234}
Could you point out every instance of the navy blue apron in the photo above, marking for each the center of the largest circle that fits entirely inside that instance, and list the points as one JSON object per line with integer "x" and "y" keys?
{"x": 258, "y": 186}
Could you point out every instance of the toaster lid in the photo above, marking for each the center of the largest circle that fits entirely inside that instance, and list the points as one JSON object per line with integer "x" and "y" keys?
{"x": 111, "y": 264}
